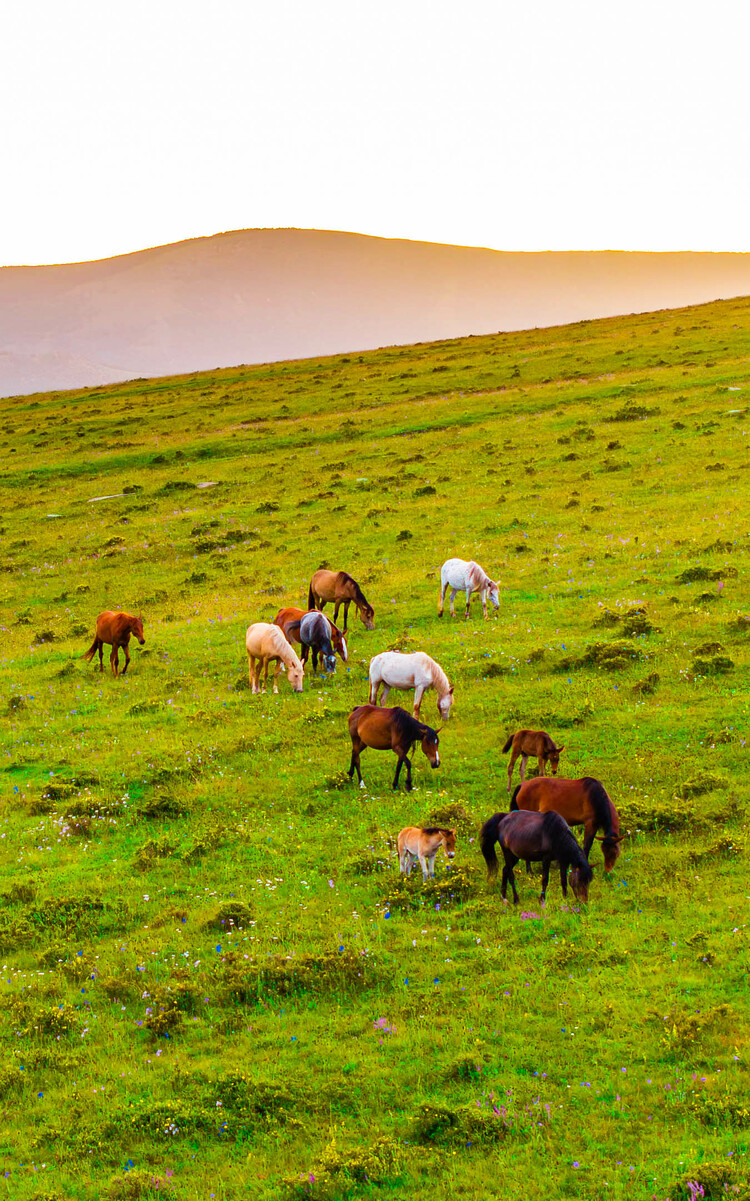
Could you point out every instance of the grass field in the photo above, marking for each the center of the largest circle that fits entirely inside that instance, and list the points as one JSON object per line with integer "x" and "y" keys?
{"x": 214, "y": 983}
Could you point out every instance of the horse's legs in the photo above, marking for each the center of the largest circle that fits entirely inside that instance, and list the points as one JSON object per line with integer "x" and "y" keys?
{"x": 346, "y": 615}
{"x": 418, "y": 694}
{"x": 315, "y": 660}
{"x": 441, "y": 602}
{"x": 266, "y": 665}
{"x": 357, "y": 745}
{"x": 276, "y": 675}
{"x": 468, "y": 600}
{"x": 374, "y": 686}
{"x": 540, "y": 765}
{"x": 402, "y": 759}
{"x": 564, "y": 878}
{"x": 336, "y": 607}
{"x": 100, "y": 648}
{"x": 524, "y": 759}
{"x": 453, "y": 597}
{"x": 510, "y": 862}
{"x": 588, "y": 836}
{"x": 114, "y": 660}
{"x": 127, "y": 656}
{"x": 511, "y": 765}
{"x": 483, "y": 595}
{"x": 545, "y": 879}
{"x": 431, "y": 863}
{"x": 384, "y": 693}
{"x": 425, "y": 866}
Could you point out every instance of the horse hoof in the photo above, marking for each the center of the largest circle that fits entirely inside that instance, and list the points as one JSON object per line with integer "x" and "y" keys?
{"x": 361, "y": 783}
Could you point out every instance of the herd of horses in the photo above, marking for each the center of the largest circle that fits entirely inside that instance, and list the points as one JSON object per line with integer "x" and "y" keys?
{"x": 537, "y": 827}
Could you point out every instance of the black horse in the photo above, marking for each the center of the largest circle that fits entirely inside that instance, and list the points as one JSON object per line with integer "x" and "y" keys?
{"x": 315, "y": 636}
{"x": 535, "y": 836}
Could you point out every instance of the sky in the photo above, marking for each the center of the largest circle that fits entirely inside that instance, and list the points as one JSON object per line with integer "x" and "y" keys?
{"x": 510, "y": 124}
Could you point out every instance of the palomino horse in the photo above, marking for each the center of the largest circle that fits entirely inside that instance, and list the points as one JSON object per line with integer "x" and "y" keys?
{"x": 423, "y": 843}
{"x": 582, "y": 803}
{"x": 390, "y": 730}
{"x": 265, "y": 643}
{"x": 462, "y": 576}
{"x": 288, "y": 621}
{"x": 544, "y": 836}
{"x": 115, "y": 629}
{"x": 537, "y": 744}
{"x": 339, "y": 587}
{"x": 417, "y": 671}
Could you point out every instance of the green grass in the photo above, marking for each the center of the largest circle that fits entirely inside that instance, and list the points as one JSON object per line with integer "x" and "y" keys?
{"x": 211, "y": 973}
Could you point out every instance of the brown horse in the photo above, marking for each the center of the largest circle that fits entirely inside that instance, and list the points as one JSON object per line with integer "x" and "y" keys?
{"x": 582, "y": 803}
{"x": 289, "y": 621}
{"x": 390, "y": 730}
{"x": 536, "y": 743}
{"x": 339, "y": 587}
{"x": 537, "y": 836}
{"x": 115, "y": 629}
{"x": 423, "y": 843}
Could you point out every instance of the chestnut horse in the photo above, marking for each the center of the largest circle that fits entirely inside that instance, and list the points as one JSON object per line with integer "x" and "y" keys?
{"x": 581, "y": 802}
{"x": 535, "y": 743}
{"x": 390, "y": 730}
{"x": 423, "y": 843}
{"x": 339, "y": 587}
{"x": 289, "y": 620}
{"x": 264, "y": 644}
{"x": 537, "y": 836}
{"x": 115, "y": 629}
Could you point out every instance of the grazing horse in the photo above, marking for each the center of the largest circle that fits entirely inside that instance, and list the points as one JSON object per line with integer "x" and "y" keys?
{"x": 115, "y": 629}
{"x": 544, "y": 836}
{"x": 265, "y": 643}
{"x": 417, "y": 671}
{"x": 462, "y": 576}
{"x": 536, "y": 743}
{"x": 390, "y": 730}
{"x": 423, "y": 843}
{"x": 288, "y": 621}
{"x": 582, "y": 803}
{"x": 315, "y": 636}
{"x": 339, "y": 587}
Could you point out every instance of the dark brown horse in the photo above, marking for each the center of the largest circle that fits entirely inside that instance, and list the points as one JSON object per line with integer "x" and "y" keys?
{"x": 115, "y": 629}
{"x": 582, "y": 803}
{"x": 339, "y": 587}
{"x": 289, "y": 621}
{"x": 537, "y": 744}
{"x": 535, "y": 836}
{"x": 390, "y": 730}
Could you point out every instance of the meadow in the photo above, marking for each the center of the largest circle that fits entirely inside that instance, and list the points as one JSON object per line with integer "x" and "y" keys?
{"x": 214, "y": 983}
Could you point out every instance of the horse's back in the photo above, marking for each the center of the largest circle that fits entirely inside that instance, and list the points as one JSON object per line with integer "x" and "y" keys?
{"x": 263, "y": 638}
{"x": 454, "y": 572}
{"x": 569, "y": 798}
{"x": 112, "y": 623}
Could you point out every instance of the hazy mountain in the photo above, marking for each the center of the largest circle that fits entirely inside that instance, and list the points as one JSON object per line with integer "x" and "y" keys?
{"x": 260, "y": 295}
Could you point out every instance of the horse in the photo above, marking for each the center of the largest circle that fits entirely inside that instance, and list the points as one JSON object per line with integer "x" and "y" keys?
{"x": 288, "y": 622}
{"x": 536, "y": 743}
{"x": 582, "y": 803}
{"x": 544, "y": 836}
{"x": 115, "y": 629}
{"x": 339, "y": 587}
{"x": 423, "y": 843}
{"x": 390, "y": 729}
{"x": 462, "y": 576}
{"x": 264, "y": 643}
{"x": 417, "y": 671}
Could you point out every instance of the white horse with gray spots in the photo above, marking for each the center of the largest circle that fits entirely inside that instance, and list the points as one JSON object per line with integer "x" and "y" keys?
{"x": 462, "y": 576}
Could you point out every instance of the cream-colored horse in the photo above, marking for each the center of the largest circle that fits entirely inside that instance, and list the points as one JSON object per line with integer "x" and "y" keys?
{"x": 417, "y": 671}
{"x": 264, "y": 643}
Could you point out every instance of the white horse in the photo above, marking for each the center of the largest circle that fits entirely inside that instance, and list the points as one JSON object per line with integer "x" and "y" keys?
{"x": 266, "y": 643}
{"x": 468, "y": 577}
{"x": 417, "y": 671}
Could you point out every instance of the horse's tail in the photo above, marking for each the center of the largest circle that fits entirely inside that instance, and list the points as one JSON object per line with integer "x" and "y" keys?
{"x": 508, "y": 744}
{"x": 311, "y": 598}
{"x": 92, "y": 649}
{"x": 488, "y": 836}
{"x": 514, "y": 802}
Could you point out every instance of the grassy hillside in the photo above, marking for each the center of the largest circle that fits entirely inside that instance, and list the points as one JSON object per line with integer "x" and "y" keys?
{"x": 214, "y": 983}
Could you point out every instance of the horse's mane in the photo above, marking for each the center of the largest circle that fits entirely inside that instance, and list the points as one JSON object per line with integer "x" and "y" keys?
{"x": 359, "y": 595}
{"x": 606, "y": 815}
{"x": 560, "y": 833}
{"x": 286, "y": 652}
{"x": 434, "y": 830}
{"x": 439, "y": 678}
{"x": 408, "y": 727}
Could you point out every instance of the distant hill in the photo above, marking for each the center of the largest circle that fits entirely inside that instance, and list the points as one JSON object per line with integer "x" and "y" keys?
{"x": 261, "y": 295}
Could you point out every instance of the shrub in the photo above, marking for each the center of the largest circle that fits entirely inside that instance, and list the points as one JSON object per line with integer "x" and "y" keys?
{"x": 440, "y": 1125}
{"x": 700, "y": 783}
{"x": 648, "y": 686}
{"x": 716, "y": 665}
{"x": 657, "y": 815}
{"x": 153, "y": 850}
{"x": 228, "y": 914}
{"x": 329, "y": 971}
{"x": 453, "y": 815}
{"x": 376, "y": 1164}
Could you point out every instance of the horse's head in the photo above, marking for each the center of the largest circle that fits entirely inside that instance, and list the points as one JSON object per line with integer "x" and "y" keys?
{"x": 444, "y": 705}
{"x": 339, "y": 644}
{"x": 610, "y": 849}
{"x": 580, "y": 885}
{"x": 449, "y": 842}
{"x": 137, "y": 629}
{"x": 430, "y": 742}
{"x": 494, "y": 595}
{"x": 295, "y": 673}
{"x": 554, "y": 759}
{"x": 330, "y": 662}
{"x": 367, "y": 613}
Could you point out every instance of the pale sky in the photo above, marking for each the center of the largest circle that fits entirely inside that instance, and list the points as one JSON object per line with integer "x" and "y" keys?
{"x": 512, "y": 124}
